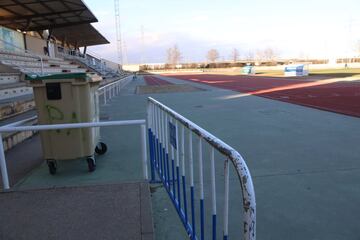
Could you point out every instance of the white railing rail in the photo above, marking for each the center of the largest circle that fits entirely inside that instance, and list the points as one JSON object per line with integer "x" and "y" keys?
{"x": 29, "y": 53}
{"x": 93, "y": 54}
{"x": 12, "y": 128}
{"x": 112, "y": 89}
{"x": 167, "y": 144}
{"x": 91, "y": 60}
{"x": 21, "y": 122}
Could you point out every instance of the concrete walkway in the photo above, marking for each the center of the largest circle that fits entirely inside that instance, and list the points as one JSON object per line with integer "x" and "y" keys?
{"x": 22, "y": 159}
{"x": 111, "y": 203}
{"x": 305, "y": 163}
{"x": 121, "y": 211}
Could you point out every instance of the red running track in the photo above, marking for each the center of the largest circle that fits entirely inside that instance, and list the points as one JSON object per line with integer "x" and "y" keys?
{"x": 151, "y": 80}
{"x": 327, "y": 94}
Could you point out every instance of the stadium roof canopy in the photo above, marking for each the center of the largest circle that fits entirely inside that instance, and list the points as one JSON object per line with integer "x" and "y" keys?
{"x": 67, "y": 20}
{"x": 80, "y": 35}
{"x": 37, "y": 15}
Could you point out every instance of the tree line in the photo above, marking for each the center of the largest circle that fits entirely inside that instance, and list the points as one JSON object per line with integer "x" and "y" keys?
{"x": 174, "y": 56}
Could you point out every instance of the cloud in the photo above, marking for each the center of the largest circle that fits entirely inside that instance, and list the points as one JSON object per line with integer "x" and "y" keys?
{"x": 223, "y": 26}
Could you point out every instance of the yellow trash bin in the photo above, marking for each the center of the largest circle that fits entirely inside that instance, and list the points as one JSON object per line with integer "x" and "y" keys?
{"x": 68, "y": 98}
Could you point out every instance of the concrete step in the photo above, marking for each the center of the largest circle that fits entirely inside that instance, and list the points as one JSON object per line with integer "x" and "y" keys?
{"x": 38, "y": 64}
{"x": 9, "y": 78}
{"x": 14, "y": 106}
{"x": 27, "y": 55}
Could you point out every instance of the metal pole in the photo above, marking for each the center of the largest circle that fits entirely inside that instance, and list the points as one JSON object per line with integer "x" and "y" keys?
{"x": 71, "y": 125}
{"x": 42, "y": 67}
{"x": 182, "y": 154}
{"x": 226, "y": 199}
{"x": 201, "y": 183}
{"x": 213, "y": 193}
{"x": 177, "y": 163}
{"x": 143, "y": 151}
{"x": 162, "y": 119}
{"x": 4, "y": 173}
{"x": 191, "y": 163}
{"x": 167, "y": 151}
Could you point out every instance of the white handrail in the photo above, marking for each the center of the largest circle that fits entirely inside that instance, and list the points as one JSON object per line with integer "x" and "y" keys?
{"x": 70, "y": 126}
{"x": 18, "y": 123}
{"x": 112, "y": 89}
{"x": 4, "y": 129}
{"x": 93, "y": 54}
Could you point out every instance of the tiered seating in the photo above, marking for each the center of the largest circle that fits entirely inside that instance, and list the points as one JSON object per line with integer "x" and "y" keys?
{"x": 8, "y": 78}
{"x": 31, "y": 64}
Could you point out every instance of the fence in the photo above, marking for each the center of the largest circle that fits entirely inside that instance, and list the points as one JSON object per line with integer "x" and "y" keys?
{"x": 16, "y": 128}
{"x": 113, "y": 89}
{"x": 165, "y": 147}
{"x": 91, "y": 60}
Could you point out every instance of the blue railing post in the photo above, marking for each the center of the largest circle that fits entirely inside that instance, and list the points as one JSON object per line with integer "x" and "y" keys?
{"x": 177, "y": 167}
{"x": 201, "y": 183}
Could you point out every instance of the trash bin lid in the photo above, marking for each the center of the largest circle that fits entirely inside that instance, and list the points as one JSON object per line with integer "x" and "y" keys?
{"x": 85, "y": 76}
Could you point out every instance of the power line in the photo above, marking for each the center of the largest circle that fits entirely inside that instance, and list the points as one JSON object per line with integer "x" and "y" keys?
{"x": 118, "y": 31}
{"x": 125, "y": 55}
{"x": 142, "y": 58}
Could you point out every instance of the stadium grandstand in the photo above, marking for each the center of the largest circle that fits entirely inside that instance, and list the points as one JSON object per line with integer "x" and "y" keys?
{"x": 45, "y": 37}
{"x": 39, "y": 38}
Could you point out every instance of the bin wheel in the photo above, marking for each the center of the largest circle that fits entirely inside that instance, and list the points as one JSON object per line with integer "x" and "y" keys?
{"x": 52, "y": 167}
{"x": 101, "y": 148}
{"x": 91, "y": 164}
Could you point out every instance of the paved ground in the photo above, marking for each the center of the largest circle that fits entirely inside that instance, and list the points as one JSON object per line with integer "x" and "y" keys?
{"x": 340, "y": 95}
{"x": 151, "y": 80}
{"x": 23, "y": 159}
{"x": 73, "y": 194}
{"x": 304, "y": 162}
{"x": 121, "y": 211}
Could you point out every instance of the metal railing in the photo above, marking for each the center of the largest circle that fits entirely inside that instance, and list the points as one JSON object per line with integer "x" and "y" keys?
{"x": 29, "y": 53}
{"x": 166, "y": 147}
{"x": 21, "y": 122}
{"x": 91, "y": 60}
{"x": 113, "y": 89}
{"x": 16, "y": 128}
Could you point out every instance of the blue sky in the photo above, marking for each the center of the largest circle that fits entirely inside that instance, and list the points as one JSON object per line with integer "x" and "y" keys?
{"x": 314, "y": 28}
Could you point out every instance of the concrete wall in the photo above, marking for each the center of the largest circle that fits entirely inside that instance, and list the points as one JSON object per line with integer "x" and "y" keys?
{"x": 14, "y": 108}
{"x": 35, "y": 45}
{"x": 7, "y": 69}
{"x": 8, "y": 78}
{"x": 13, "y": 139}
{"x": 14, "y": 38}
{"x": 15, "y": 92}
